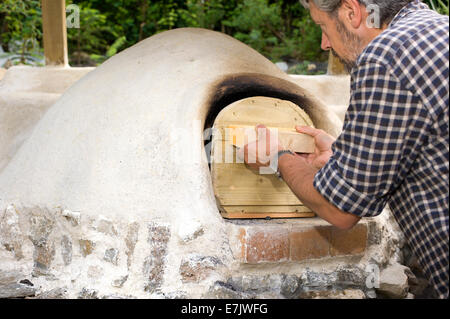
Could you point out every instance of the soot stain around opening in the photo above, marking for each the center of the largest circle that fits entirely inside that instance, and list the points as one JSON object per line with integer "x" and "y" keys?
{"x": 238, "y": 87}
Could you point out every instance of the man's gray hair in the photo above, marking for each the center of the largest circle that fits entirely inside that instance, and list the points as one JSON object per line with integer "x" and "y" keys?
{"x": 388, "y": 8}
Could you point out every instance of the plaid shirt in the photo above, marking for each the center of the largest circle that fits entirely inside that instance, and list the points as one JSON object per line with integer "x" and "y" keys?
{"x": 394, "y": 146}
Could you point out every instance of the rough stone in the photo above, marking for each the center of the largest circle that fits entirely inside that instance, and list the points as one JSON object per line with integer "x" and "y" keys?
{"x": 117, "y": 297}
{"x": 312, "y": 280}
{"x": 112, "y": 256}
{"x": 131, "y": 240}
{"x": 57, "y": 293}
{"x": 40, "y": 226}
{"x": 196, "y": 268}
{"x": 118, "y": 283}
{"x": 13, "y": 285}
{"x": 106, "y": 226}
{"x": 86, "y": 293}
{"x": 175, "y": 295}
{"x": 335, "y": 294}
{"x": 9, "y": 277}
{"x": 66, "y": 249}
{"x": 86, "y": 247}
{"x": 154, "y": 265}
{"x": 222, "y": 290}
{"x": 10, "y": 234}
{"x": 73, "y": 217}
{"x": 350, "y": 277}
{"x": 43, "y": 256}
{"x": 290, "y": 286}
{"x": 394, "y": 281}
{"x": 16, "y": 290}
{"x": 190, "y": 230}
{"x": 26, "y": 282}
{"x": 374, "y": 234}
{"x": 256, "y": 285}
{"x": 371, "y": 294}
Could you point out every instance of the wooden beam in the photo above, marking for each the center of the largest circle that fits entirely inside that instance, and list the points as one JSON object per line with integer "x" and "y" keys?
{"x": 54, "y": 32}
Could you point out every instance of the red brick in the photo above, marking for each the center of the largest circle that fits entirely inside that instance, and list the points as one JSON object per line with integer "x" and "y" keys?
{"x": 269, "y": 245}
{"x": 313, "y": 243}
{"x": 348, "y": 242}
{"x": 242, "y": 234}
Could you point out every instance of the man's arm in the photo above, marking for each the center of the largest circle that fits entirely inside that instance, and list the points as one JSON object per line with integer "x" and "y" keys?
{"x": 299, "y": 175}
{"x": 299, "y": 170}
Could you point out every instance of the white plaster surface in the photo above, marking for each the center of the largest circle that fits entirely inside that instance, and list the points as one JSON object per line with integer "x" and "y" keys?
{"x": 26, "y": 93}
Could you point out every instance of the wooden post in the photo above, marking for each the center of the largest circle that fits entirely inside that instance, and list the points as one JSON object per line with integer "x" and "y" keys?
{"x": 335, "y": 67}
{"x": 55, "y": 33}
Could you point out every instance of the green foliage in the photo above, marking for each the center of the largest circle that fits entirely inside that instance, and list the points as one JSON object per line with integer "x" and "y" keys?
{"x": 265, "y": 27}
{"x": 90, "y": 38}
{"x": 279, "y": 29}
{"x": 20, "y": 30}
{"x": 203, "y": 14}
{"x": 257, "y": 24}
{"x": 438, "y": 5}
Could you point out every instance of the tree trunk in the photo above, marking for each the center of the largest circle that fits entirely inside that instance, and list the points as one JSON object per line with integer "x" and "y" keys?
{"x": 144, "y": 7}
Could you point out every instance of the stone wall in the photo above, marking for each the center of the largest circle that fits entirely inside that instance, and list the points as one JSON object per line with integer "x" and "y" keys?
{"x": 57, "y": 253}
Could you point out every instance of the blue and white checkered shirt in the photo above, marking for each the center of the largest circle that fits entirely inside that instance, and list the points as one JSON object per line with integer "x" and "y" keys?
{"x": 394, "y": 147}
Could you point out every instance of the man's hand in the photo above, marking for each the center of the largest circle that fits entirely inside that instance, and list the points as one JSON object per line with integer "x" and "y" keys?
{"x": 298, "y": 171}
{"x": 323, "y": 143}
{"x": 258, "y": 153}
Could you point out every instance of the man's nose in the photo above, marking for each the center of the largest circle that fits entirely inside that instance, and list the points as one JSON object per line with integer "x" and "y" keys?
{"x": 326, "y": 45}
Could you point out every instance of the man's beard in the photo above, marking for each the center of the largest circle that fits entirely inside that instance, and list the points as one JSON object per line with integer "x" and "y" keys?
{"x": 353, "y": 44}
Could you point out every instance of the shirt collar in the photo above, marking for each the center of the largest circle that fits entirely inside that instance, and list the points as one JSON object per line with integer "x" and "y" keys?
{"x": 409, "y": 8}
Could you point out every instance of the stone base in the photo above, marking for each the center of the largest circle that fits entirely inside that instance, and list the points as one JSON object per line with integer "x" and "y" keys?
{"x": 58, "y": 253}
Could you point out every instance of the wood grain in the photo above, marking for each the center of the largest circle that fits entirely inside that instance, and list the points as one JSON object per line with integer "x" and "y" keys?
{"x": 240, "y": 191}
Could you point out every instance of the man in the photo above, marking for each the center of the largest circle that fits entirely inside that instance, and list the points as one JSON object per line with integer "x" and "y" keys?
{"x": 394, "y": 146}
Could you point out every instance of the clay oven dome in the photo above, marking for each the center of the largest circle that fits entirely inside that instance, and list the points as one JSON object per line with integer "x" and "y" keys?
{"x": 113, "y": 190}
{"x": 127, "y": 138}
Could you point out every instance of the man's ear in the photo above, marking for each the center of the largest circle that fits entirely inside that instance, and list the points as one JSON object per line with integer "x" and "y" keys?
{"x": 351, "y": 13}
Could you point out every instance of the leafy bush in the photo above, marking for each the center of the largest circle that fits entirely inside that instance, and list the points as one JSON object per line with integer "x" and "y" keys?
{"x": 20, "y": 31}
{"x": 279, "y": 29}
{"x": 438, "y": 5}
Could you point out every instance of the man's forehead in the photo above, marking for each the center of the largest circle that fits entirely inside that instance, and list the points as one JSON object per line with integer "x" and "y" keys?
{"x": 315, "y": 16}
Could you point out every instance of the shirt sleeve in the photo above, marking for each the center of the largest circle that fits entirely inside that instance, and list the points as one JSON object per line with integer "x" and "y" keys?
{"x": 366, "y": 165}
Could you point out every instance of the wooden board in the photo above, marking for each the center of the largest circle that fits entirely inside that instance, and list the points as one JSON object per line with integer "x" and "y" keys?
{"x": 260, "y": 215}
{"x": 240, "y": 135}
{"x": 240, "y": 191}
